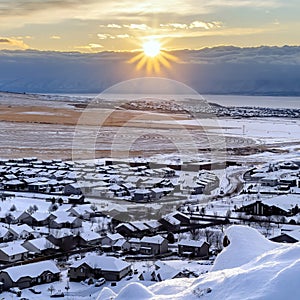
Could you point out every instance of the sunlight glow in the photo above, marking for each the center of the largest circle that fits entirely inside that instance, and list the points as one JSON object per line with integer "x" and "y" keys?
{"x": 152, "y": 57}
{"x": 151, "y": 48}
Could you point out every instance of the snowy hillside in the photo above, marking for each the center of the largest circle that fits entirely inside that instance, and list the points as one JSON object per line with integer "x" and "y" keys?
{"x": 251, "y": 267}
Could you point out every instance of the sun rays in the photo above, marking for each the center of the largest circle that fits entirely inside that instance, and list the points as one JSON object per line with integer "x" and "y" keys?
{"x": 152, "y": 57}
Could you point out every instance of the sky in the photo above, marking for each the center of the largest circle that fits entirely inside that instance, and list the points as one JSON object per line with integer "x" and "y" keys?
{"x": 113, "y": 25}
{"x": 219, "y": 70}
{"x": 214, "y": 46}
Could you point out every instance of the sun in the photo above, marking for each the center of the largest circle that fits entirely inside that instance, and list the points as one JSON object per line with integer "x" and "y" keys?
{"x": 151, "y": 48}
{"x": 152, "y": 56}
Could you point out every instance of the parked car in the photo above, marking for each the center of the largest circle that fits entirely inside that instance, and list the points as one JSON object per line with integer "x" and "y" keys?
{"x": 88, "y": 281}
{"x": 35, "y": 291}
{"x": 16, "y": 290}
{"x": 58, "y": 294}
{"x": 100, "y": 281}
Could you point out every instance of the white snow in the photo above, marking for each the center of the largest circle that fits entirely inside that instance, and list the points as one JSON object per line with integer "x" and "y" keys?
{"x": 106, "y": 294}
{"x": 134, "y": 291}
{"x": 246, "y": 244}
{"x": 251, "y": 267}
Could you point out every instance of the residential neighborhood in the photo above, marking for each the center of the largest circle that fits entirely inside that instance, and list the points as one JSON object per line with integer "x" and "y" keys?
{"x": 55, "y": 226}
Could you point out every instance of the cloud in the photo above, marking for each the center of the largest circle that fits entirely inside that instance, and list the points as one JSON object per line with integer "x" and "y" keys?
{"x": 104, "y": 36}
{"x": 123, "y": 36}
{"x": 92, "y": 47}
{"x": 193, "y": 25}
{"x": 55, "y": 37}
{"x": 5, "y": 41}
{"x": 112, "y": 26}
{"x": 222, "y": 70}
{"x": 13, "y": 43}
{"x": 205, "y": 25}
{"x": 142, "y": 27}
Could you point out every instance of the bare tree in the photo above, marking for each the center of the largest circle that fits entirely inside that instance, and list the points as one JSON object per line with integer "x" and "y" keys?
{"x": 51, "y": 289}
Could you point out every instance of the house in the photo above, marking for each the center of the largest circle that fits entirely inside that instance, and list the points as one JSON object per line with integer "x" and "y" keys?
{"x": 20, "y": 231}
{"x": 170, "y": 223}
{"x": 12, "y": 252}
{"x": 142, "y": 195}
{"x": 35, "y": 219}
{"x": 269, "y": 181}
{"x": 82, "y": 211}
{"x": 38, "y": 186}
{"x": 153, "y": 245}
{"x": 28, "y": 275}
{"x": 183, "y": 218}
{"x": 64, "y": 238}
{"x": 72, "y": 189}
{"x": 63, "y": 220}
{"x": 76, "y": 199}
{"x": 5, "y": 235}
{"x": 40, "y": 219}
{"x": 197, "y": 188}
{"x": 285, "y": 205}
{"x": 193, "y": 248}
{"x": 135, "y": 244}
{"x": 126, "y": 229}
{"x": 153, "y": 226}
{"x": 121, "y": 244}
{"x": 287, "y": 237}
{"x": 110, "y": 239}
{"x": 14, "y": 185}
{"x": 39, "y": 246}
{"x": 88, "y": 238}
{"x": 162, "y": 272}
{"x": 110, "y": 268}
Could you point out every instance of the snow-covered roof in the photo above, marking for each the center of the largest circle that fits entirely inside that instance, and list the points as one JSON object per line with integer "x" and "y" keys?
{"x": 119, "y": 243}
{"x": 128, "y": 225}
{"x": 90, "y": 235}
{"x": 114, "y": 236}
{"x": 63, "y": 232}
{"x": 80, "y": 210}
{"x": 65, "y": 219}
{"x": 152, "y": 224}
{"x": 31, "y": 270}
{"x": 285, "y": 202}
{"x": 139, "y": 225}
{"x": 295, "y": 234}
{"x": 3, "y": 231}
{"x": 172, "y": 220}
{"x": 142, "y": 191}
{"x": 134, "y": 240}
{"x": 165, "y": 271}
{"x": 12, "y": 248}
{"x": 191, "y": 243}
{"x": 106, "y": 263}
{"x": 40, "y": 243}
{"x": 18, "y": 229}
{"x": 157, "y": 239}
{"x": 40, "y": 216}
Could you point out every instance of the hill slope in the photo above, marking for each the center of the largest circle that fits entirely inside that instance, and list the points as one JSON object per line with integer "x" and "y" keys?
{"x": 251, "y": 267}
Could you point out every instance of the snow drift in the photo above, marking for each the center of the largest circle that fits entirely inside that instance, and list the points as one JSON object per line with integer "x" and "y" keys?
{"x": 251, "y": 267}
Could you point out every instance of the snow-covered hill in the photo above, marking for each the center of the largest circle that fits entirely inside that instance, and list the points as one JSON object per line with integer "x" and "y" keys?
{"x": 251, "y": 267}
